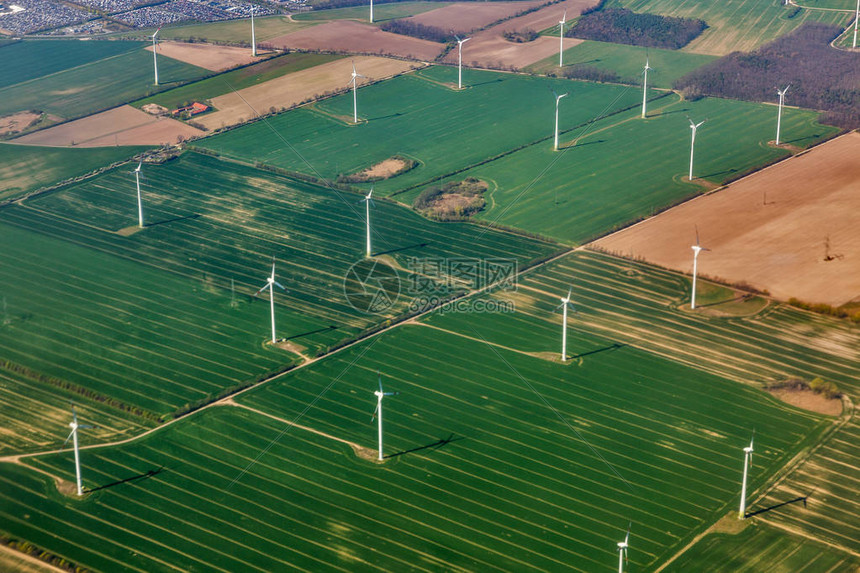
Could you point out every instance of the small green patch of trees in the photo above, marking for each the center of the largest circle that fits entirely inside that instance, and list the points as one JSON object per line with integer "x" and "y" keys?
{"x": 818, "y": 385}
{"x": 452, "y": 201}
{"x": 521, "y": 36}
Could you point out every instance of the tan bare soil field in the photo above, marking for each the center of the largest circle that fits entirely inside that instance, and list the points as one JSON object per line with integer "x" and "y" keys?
{"x": 496, "y": 52}
{"x": 489, "y": 48}
{"x": 123, "y": 125}
{"x": 809, "y": 400}
{"x": 355, "y": 37}
{"x": 778, "y": 245}
{"x": 384, "y": 169}
{"x": 208, "y": 56}
{"x": 463, "y": 17}
{"x": 295, "y": 88}
{"x": 17, "y": 122}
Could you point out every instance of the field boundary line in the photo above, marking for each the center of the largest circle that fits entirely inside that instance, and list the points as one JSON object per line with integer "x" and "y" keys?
{"x": 27, "y": 557}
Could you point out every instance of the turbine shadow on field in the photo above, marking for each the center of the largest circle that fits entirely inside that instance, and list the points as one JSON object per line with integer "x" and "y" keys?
{"x": 173, "y": 220}
{"x": 310, "y": 332}
{"x": 684, "y": 110}
{"x": 398, "y": 249}
{"x": 778, "y": 505}
{"x": 579, "y": 144}
{"x": 389, "y": 116}
{"x": 495, "y": 81}
{"x": 434, "y": 446}
{"x": 735, "y": 299}
{"x": 723, "y": 172}
{"x": 139, "y": 477}
{"x": 609, "y": 348}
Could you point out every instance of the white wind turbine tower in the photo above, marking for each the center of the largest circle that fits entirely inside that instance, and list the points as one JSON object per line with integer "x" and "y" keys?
{"x": 565, "y": 302}
{"x": 748, "y": 452}
{"x": 779, "y": 114}
{"x": 856, "y": 17}
{"x": 74, "y": 437}
{"x": 622, "y": 550}
{"x": 380, "y": 394}
{"x": 697, "y": 248}
{"x": 253, "y": 35}
{"x": 645, "y": 87}
{"x": 154, "y": 54}
{"x": 139, "y": 200}
{"x": 561, "y": 38}
{"x": 557, "y": 99}
{"x": 271, "y": 283}
{"x": 371, "y": 11}
{"x": 355, "y": 76}
{"x": 460, "y": 61}
{"x": 694, "y": 127}
{"x": 368, "y": 201}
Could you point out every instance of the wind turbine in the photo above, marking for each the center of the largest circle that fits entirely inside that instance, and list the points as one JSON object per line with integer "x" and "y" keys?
{"x": 355, "y": 76}
{"x": 779, "y": 114}
{"x": 856, "y": 17}
{"x": 154, "y": 54}
{"x": 271, "y": 283}
{"x": 694, "y": 127}
{"x": 561, "y": 38}
{"x": 380, "y": 394}
{"x": 697, "y": 248}
{"x": 368, "y": 201}
{"x": 253, "y": 35}
{"x": 139, "y": 200}
{"x": 74, "y": 437}
{"x": 460, "y": 61}
{"x": 622, "y": 550}
{"x": 557, "y": 99}
{"x": 645, "y": 87}
{"x": 371, "y": 11}
{"x": 565, "y": 302}
{"x": 748, "y": 451}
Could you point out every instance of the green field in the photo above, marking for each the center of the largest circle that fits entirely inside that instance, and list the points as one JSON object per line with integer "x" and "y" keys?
{"x": 846, "y": 5}
{"x": 238, "y": 79}
{"x": 627, "y": 62}
{"x": 171, "y": 336}
{"x": 419, "y": 116}
{"x": 512, "y": 488}
{"x": 574, "y": 195}
{"x": 762, "y": 548}
{"x": 733, "y": 25}
{"x": 230, "y": 31}
{"x": 381, "y": 12}
{"x": 31, "y": 59}
{"x": 93, "y": 85}
{"x": 607, "y": 174}
{"x": 25, "y": 168}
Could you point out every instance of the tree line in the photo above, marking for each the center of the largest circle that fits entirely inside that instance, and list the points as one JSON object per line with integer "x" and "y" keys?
{"x": 821, "y": 77}
{"x": 622, "y": 26}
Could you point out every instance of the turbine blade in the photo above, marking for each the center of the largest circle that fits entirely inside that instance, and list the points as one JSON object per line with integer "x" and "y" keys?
{"x": 262, "y": 289}
{"x": 379, "y": 377}
{"x": 373, "y": 417}
{"x": 280, "y": 286}
{"x": 67, "y": 440}
{"x": 697, "y": 235}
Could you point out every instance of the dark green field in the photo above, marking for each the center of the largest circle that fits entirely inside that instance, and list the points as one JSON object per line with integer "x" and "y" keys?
{"x": 147, "y": 318}
{"x": 25, "y": 168}
{"x": 481, "y": 474}
{"x": 83, "y": 82}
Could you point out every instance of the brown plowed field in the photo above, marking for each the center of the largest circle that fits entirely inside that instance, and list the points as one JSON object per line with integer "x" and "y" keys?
{"x": 355, "y": 37}
{"x": 463, "y": 17}
{"x": 778, "y": 245}
{"x": 297, "y": 87}
{"x": 489, "y": 48}
{"x": 207, "y": 56}
{"x": 123, "y": 125}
